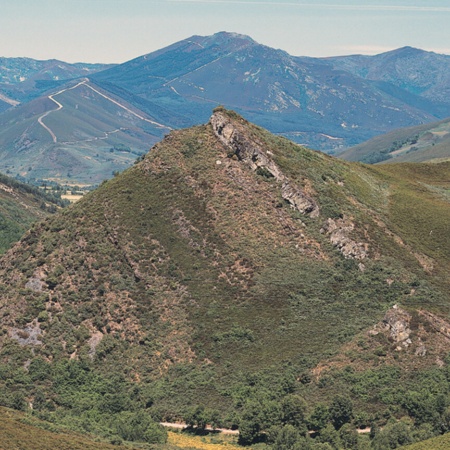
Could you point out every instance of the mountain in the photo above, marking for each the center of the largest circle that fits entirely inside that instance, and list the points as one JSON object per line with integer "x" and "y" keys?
{"x": 79, "y": 134}
{"x": 21, "y": 205}
{"x": 60, "y": 120}
{"x": 410, "y": 70}
{"x": 232, "y": 275}
{"x": 325, "y": 103}
{"x": 430, "y": 142}
{"x": 22, "y": 79}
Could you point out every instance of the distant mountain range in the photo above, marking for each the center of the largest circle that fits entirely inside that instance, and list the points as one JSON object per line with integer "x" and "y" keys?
{"x": 22, "y": 79}
{"x": 328, "y": 104}
{"x": 325, "y": 103}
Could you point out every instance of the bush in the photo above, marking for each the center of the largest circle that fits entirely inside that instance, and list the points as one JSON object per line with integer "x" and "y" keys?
{"x": 138, "y": 426}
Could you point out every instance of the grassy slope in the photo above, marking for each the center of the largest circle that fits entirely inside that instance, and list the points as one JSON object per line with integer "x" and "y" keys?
{"x": 422, "y": 143}
{"x": 86, "y": 128}
{"x": 437, "y": 443}
{"x": 200, "y": 277}
{"x": 18, "y": 431}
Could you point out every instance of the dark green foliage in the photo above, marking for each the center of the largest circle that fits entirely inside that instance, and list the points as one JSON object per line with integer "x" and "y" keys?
{"x": 348, "y": 436}
{"x": 39, "y": 369}
{"x": 373, "y": 158}
{"x": 340, "y": 411}
{"x": 20, "y": 205}
{"x": 287, "y": 438}
{"x": 197, "y": 417}
{"x": 319, "y": 417}
{"x": 18, "y": 401}
{"x": 139, "y": 427}
{"x": 264, "y": 172}
{"x": 329, "y": 435}
{"x": 293, "y": 412}
{"x": 393, "y": 435}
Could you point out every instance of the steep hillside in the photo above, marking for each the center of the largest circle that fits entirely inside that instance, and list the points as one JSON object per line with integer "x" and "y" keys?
{"x": 314, "y": 101}
{"x": 229, "y": 270}
{"x": 423, "y": 143}
{"x": 79, "y": 134}
{"x": 20, "y": 206}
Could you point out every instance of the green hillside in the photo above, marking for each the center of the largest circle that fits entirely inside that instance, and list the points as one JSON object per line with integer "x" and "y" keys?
{"x": 19, "y": 431}
{"x": 236, "y": 277}
{"x": 21, "y": 205}
{"x": 430, "y": 142}
{"x": 437, "y": 443}
{"x": 80, "y": 134}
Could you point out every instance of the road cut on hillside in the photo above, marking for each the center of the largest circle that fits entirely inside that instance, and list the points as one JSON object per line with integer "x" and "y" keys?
{"x": 182, "y": 426}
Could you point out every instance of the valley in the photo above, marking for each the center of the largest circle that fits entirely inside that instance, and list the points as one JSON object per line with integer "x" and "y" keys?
{"x": 79, "y": 135}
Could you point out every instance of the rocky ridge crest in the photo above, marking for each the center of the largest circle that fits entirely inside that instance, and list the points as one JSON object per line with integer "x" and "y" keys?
{"x": 250, "y": 151}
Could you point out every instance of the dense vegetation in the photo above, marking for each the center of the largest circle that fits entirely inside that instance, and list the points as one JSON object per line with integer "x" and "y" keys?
{"x": 225, "y": 305}
{"x": 20, "y": 205}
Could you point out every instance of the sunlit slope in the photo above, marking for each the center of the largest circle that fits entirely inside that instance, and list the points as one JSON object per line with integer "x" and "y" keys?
{"x": 79, "y": 133}
{"x": 423, "y": 143}
{"x": 226, "y": 252}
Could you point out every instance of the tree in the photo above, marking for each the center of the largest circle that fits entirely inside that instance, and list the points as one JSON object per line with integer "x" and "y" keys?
{"x": 349, "y": 436}
{"x": 39, "y": 401}
{"x": 39, "y": 369}
{"x": 319, "y": 417}
{"x": 251, "y": 422}
{"x": 138, "y": 426}
{"x": 287, "y": 438}
{"x": 331, "y": 436}
{"x": 197, "y": 417}
{"x": 249, "y": 431}
{"x": 393, "y": 435}
{"x": 445, "y": 421}
{"x": 293, "y": 410}
{"x": 18, "y": 401}
{"x": 341, "y": 411}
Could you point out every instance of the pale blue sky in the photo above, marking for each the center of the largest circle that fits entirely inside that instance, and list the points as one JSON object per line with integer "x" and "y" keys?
{"x": 119, "y": 30}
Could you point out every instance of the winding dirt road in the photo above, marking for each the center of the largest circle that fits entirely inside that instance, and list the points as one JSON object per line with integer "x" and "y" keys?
{"x": 85, "y": 83}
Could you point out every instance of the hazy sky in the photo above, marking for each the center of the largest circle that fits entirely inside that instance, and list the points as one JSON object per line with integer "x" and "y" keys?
{"x": 119, "y": 30}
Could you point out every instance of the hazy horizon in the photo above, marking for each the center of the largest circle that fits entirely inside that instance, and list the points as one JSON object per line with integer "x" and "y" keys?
{"x": 115, "y": 31}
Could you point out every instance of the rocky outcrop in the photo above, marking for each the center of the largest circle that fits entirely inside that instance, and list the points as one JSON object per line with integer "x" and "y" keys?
{"x": 339, "y": 231}
{"x": 413, "y": 330}
{"x": 29, "y": 335}
{"x": 35, "y": 284}
{"x": 250, "y": 151}
{"x": 397, "y": 322}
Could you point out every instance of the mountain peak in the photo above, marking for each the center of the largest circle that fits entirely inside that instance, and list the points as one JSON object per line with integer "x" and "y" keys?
{"x": 223, "y": 38}
{"x": 405, "y": 52}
